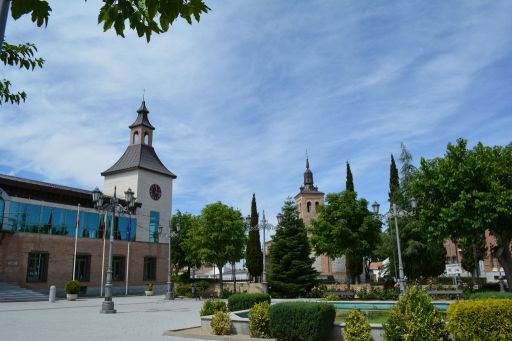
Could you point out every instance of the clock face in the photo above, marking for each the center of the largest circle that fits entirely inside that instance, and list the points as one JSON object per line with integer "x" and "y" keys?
{"x": 155, "y": 192}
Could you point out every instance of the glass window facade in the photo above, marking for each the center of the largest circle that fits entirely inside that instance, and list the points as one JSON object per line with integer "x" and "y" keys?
{"x": 37, "y": 267}
{"x": 2, "y": 206}
{"x": 154, "y": 222}
{"x": 24, "y": 217}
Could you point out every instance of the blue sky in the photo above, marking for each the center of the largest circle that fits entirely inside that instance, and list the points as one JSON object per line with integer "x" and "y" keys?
{"x": 238, "y": 98}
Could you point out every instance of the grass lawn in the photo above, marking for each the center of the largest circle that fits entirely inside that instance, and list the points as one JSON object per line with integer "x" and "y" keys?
{"x": 374, "y": 316}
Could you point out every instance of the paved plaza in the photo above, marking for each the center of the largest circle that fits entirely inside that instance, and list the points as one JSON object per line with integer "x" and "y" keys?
{"x": 138, "y": 318}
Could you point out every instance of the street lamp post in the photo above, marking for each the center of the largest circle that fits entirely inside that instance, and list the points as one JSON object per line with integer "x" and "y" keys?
{"x": 169, "y": 295}
{"x": 114, "y": 206}
{"x": 263, "y": 226}
{"x": 395, "y": 213}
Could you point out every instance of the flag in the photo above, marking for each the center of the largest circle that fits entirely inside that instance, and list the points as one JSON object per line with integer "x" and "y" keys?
{"x": 50, "y": 221}
{"x": 77, "y": 220}
{"x": 129, "y": 229}
{"x": 104, "y": 226}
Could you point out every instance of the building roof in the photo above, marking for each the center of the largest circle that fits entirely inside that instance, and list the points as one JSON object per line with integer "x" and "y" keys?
{"x": 139, "y": 156}
{"x": 44, "y": 191}
{"x": 142, "y": 117}
{"x": 308, "y": 187}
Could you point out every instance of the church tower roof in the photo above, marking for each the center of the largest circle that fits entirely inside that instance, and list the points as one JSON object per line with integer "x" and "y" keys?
{"x": 140, "y": 153}
{"x": 309, "y": 186}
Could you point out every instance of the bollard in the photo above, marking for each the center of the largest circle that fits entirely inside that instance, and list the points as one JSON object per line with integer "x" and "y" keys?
{"x": 53, "y": 290}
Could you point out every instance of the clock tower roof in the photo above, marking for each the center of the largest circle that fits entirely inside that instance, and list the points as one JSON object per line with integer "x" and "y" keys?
{"x": 140, "y": 153}
{"x": 139, "y": 156}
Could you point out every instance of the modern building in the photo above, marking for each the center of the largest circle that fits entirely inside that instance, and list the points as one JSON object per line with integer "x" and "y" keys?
{"x": 38, "y": 223}
{"x": 308, "y": 200}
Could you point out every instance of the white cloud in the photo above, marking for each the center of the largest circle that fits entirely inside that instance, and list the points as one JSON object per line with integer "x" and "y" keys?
{"x": 239, "y": 97}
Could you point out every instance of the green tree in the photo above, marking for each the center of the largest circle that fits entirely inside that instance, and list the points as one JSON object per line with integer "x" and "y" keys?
{"x": 421, "y": 256}
{"x": 181, "y": 256}
{"x": 474, "y": 249}
{"x": 394, "y": 183}
{"x": 467, "y": 192}
{"x": 23, "y": 57}
{"x": 291, "y": 267}
{"x": 349, "y": 185}
{"x": 218, "y": 236}
{"x": 253, "y": 254}
{"x": 145, "y": 17}
{"x": 345, "y": 226}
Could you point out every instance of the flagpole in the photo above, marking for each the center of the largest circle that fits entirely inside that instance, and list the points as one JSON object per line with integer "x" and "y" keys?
{"x": 128, "y": 236}
{"x": 127, "y": 268}
{"x": 103, "y": 257}
{"x": 76, "y": 239}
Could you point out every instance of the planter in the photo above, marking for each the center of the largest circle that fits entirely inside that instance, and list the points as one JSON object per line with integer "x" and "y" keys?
{"x": 149, "y": 293}
{"x": 71, "y": 297}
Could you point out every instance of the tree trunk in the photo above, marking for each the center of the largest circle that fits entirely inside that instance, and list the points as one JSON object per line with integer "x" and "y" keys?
{"x": 477, "y": 266}
{"x": 505, "y": 259}
{"x": 233, "y": 274}
{"x": 221, "y": 284}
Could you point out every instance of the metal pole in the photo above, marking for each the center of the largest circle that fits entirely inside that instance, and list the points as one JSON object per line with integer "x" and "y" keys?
{"x": 76, "y": 239}
{"x": 108, "y": 305}
{"x": 4, "y": 12}
{"x": 169, "y": 294}
{"x": 103, "y": 264}
{"x": 127, "y": 268}
{"x": 265, "y": 284}
{"x": 400, "y": 264}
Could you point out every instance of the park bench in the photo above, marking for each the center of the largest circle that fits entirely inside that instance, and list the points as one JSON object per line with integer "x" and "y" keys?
{"x": 449, "y": 293}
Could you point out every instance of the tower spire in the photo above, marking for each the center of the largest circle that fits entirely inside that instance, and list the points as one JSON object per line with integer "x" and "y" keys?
{"x": 308, "y": 175}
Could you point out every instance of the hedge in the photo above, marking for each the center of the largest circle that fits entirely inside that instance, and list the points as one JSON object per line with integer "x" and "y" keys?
{"x": 488, "y": 319}
{"x": 303, "y": 321}
{"x": 246, "y": 301}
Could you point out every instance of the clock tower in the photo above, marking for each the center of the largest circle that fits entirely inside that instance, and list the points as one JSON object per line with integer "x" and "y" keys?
{"x": 140, "y": 169}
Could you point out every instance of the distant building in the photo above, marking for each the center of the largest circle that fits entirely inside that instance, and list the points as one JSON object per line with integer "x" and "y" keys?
{"x": 490, "y": 267}
{"x": 308, "y": 200}
{"x": 38, "y": 219}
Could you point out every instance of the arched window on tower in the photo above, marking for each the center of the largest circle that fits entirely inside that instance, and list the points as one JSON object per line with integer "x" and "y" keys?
{"x": 308, "y": 206}
{"x": 316, "y": 206}
{"x": 146, "y": 138}
{"x": 135, "y": 138}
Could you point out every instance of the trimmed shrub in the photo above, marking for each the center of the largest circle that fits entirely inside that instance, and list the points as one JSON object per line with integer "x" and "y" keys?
{"x": 488, "y": 319}
{"x": 221, "y": 323}
{"x": 332, "y": 298}
{"x": 72, "y": 287}
{"x": 259, "y": 320}
{"x": 184, "y": 290}
{"x": 357, "y": 327}
{"x": 414, "y": 317}
{"x": 226, "y": 293}
{"x": 211, "y": 307}
{"x": 149, "y": 286}
{"x": 304, "y": 321}
{"x": 246, "y": 301}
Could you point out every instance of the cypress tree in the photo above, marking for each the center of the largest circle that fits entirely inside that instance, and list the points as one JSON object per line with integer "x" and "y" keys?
{"x": 349, "y": 186}
{"x": 394, "y": 183}
{"x": 291, "y": 267}
{"x": 253, "y": 254}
